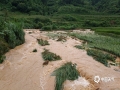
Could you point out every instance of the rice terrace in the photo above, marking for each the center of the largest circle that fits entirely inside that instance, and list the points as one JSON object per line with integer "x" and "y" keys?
{"x": 60, "y": 45}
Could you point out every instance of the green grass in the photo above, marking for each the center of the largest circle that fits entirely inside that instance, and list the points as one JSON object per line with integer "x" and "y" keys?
{"x": 58, "y": 37}
{"x": 61, "y": 38}
{"x": 49, "y": 56}
{"x": 108, "y": 44}
{"x": 43, "y": 42}
{"x": 108, "y": 30}
{"x": 98, "y": 55}
{"x": 80, "y": 46}
{"x": 65, "y": 72}
{"x": 101, "y": 56}
{"x": 52, "y": 35}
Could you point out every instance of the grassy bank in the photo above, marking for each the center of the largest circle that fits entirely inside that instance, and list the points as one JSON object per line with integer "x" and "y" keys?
{"x": 108, "y": 44}
{"x": 108, "y": 31}
{"x": 11, "y": 35}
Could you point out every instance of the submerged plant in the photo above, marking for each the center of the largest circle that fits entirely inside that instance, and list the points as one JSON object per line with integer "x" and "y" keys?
{"x": 2, "y": 58}
{"x": 47, "y": 55}
{"x": 66, "y": 72}
{"x": 80, "y": 46}
{"x": 100, "y": 56}
{"x": 43, "y": 42}
{"x": 35, "y": 50}
{"x": 61, "y": 38}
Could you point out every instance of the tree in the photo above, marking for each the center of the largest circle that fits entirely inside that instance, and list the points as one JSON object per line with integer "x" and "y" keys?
{"x": 22, "y": 7}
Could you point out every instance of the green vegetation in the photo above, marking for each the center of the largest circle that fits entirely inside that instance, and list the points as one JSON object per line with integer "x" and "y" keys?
{"x": 43, "y": 42}
{"x": 47, "y": 27}
{"x": 35, "y": 50}
{"x": 57, "y": 36}
{"x": 108, "y": 44}
{"x": 68, "y": 18}
{"x": 62, "y": 14}
{"x": 80, "y": 46}
{"x": 49, "y": 7}
{"x": 101, "y": 56}
{"x": 47, "y": 55}
{"x": 64, "y": 21}
{"x": 66, "y": 72}
{"x": 2, "y": 58}
{"x": 52, "y": 35}
{"x": 11, "y": 35}
{"x": 109, "y": 31}
{"x": 57, "y": 22}
{"x": 36, "y": 22}
{"x": 4, "y": 47}
{"x": 62, "y": 38}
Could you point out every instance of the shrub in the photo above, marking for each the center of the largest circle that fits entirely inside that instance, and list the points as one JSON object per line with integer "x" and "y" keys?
{"x": 48, "y": 27}
{"x": 66, "y": 72}
{"x": 2, "y": 25}
{"x": 4, "y": 47}
{"x": 54, "y": 27}
{"x": 43, "y": 42}
{"x": 91, "y": 24}
{"x": 14, "y": 34}
{"x": 38, "y": 25}
{"x": 42, "y": 20}
{"x": 35, "y": 50}
{"x": 96, "y": 24}
{"x": 28, "y": 23}
{"x": 61, "y": 38}
{"x": 73, "y": 9}
{"x": 68, "y": 27}
{"x": 50, "y": 56}
{"x": 2, "y": 58}
{"x": 11, "y": 35}
{"x": 69, "y": 18}
{"x": 104, "y": 24}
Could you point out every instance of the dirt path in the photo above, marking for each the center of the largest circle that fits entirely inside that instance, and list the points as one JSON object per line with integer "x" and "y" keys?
{"x": 23, "y": 70}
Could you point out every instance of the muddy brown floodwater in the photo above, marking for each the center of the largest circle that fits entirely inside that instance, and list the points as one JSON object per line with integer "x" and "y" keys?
{"x": 23, "y": 69}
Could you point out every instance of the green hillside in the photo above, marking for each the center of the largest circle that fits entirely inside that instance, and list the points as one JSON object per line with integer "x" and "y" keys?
{"x": 47, "y": 7}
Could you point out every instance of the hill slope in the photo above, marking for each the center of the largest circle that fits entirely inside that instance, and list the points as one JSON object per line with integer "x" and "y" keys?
{"x": 47, "y": 7}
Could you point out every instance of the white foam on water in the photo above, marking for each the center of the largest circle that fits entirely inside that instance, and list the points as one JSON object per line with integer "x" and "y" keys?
{"x": 79, "y": 82}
